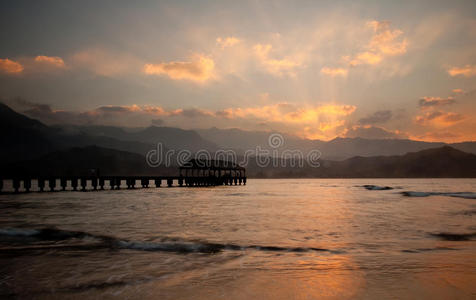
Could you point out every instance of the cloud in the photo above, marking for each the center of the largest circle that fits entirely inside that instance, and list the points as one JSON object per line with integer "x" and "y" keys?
{"x": 118, "y": 108}
{"x": 227, "y": 42}
{"x": 192, "y": 113}
{"x": 157, "y": 122}
{"x": 334, "y": 72}
{"x": 458, "y": 91}
{"x": 200, "y": 70}
{"x": 290, "y": 113}
{"x": 380, "y": 116}
{"x": 105, "y": 62}
{"x": 427, "y": 102}
{"x": 51, "y": 60}
{"x": 466, "y": 71}
{"x": 438, "y": 136}
{"x": 439, "y": 118}
{"x": 384, "y": 42}
{"x": 373, "y": 132}
{"x": 321, "y": 121}
{"x": 10, "y": 66}
{"x": 277, "y": 67}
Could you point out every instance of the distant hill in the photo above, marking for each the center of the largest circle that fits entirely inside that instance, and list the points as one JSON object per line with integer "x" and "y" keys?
{"x": 438, "y": 162}
{"x": 173, "y": 138}
{"x": 341, "y": 148}
{"x": 336, "y": 149}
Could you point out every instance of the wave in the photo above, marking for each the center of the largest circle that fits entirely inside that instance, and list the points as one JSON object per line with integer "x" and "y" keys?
{"x": 447, "y": 236}
{"x": 419, "y": 250}
{"x": 372, "y": 187}
{"x": 165, "y": 244}
{"x": 467, "y": 195}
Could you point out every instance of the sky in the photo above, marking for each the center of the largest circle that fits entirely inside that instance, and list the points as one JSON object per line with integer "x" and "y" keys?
{"x": 315, "y": 69}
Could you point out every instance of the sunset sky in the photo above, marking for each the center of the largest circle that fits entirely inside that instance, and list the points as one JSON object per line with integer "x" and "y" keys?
{"x": 316, "y": 69}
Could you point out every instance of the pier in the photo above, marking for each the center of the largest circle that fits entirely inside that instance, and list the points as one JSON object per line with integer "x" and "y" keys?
{"x": 194, "y": 173}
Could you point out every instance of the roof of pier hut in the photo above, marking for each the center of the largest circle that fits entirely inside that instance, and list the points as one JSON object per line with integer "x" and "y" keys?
{"x": 211, "y": 164}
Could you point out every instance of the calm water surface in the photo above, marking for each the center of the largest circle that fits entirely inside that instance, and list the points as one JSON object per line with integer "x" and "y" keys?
{"x": 270, "y": 239}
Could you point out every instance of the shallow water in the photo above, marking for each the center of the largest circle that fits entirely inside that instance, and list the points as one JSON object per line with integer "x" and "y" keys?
{"x": 270, "y": 239}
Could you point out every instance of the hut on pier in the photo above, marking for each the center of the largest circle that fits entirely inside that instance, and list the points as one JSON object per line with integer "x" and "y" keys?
{"x": 212, "y": 172}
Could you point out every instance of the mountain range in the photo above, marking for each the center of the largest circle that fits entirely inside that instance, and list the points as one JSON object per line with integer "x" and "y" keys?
{"x": 27, "y": 141}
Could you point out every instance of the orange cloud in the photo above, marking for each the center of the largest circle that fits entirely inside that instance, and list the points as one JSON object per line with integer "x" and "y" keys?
{"x": 466, "y": 71}
{"x": 334, "y": 72}
{"x": 52, "y": 60}
{"x": 439, "y": 118}
{"x": 278, "y": 67}
{"x": 200, "y": 70}
{"x": 438, "y": 136}
{"x": 10, "y": 66}
{"x": 458, "y": 91}
{"x": 367, "y": 57}
{"x": 290, "y": 113}
{"x": 384, "y": 42}
{"x": 227, "y": 42}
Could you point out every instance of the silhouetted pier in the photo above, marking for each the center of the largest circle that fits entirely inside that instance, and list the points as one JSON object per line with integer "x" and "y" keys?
{"x": 192, "y": 174}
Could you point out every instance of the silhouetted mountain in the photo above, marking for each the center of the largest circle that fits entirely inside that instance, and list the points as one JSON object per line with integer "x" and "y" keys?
{"x": 341, "y": 148}
{"x": 439, "y": 162}
{"x": 173, "y": 138}
{"x": 79, "y": 161}
{"x": 336, "y": 149}
{"x": 24, "y": 138}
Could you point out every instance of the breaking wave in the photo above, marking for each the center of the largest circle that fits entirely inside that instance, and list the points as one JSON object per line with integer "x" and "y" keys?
{"x": 467, "y": 195}
{"x": 372, "y": 187}
{"x": 101, "y": 241}
{"x": 447, "y": 236}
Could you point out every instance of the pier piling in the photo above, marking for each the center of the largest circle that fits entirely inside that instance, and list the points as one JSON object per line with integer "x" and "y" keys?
{"x": 63, "y": 183}
{"x": 74, "y": 184}
{"x": 52, "y": 184}
{"x": 41, "y": 184}
{"x": 192, "y": 174}
{"x": 26, "y": 184}
{"x": 16, "y": 185}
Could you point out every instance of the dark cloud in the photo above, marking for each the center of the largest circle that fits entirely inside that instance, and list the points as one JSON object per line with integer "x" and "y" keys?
{"x": 377, "y": 117}
{"x": 113, "y": 109}
{"x": 192, "y": 113}
{"x": 157, "y": 122}
{"x": 426, "y": 102}
{"x": 224, "y": 114}
{"x": 440, "y": 117}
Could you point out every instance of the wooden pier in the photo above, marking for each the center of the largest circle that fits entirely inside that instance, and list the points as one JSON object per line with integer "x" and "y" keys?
{"x": 192, "y": 174}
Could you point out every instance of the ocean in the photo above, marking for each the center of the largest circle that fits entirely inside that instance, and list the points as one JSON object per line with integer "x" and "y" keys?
{"x": 270, "y": 239}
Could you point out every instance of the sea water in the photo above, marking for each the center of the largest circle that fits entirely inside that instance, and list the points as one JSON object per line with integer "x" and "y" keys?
{"x": 270, "y": 239}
